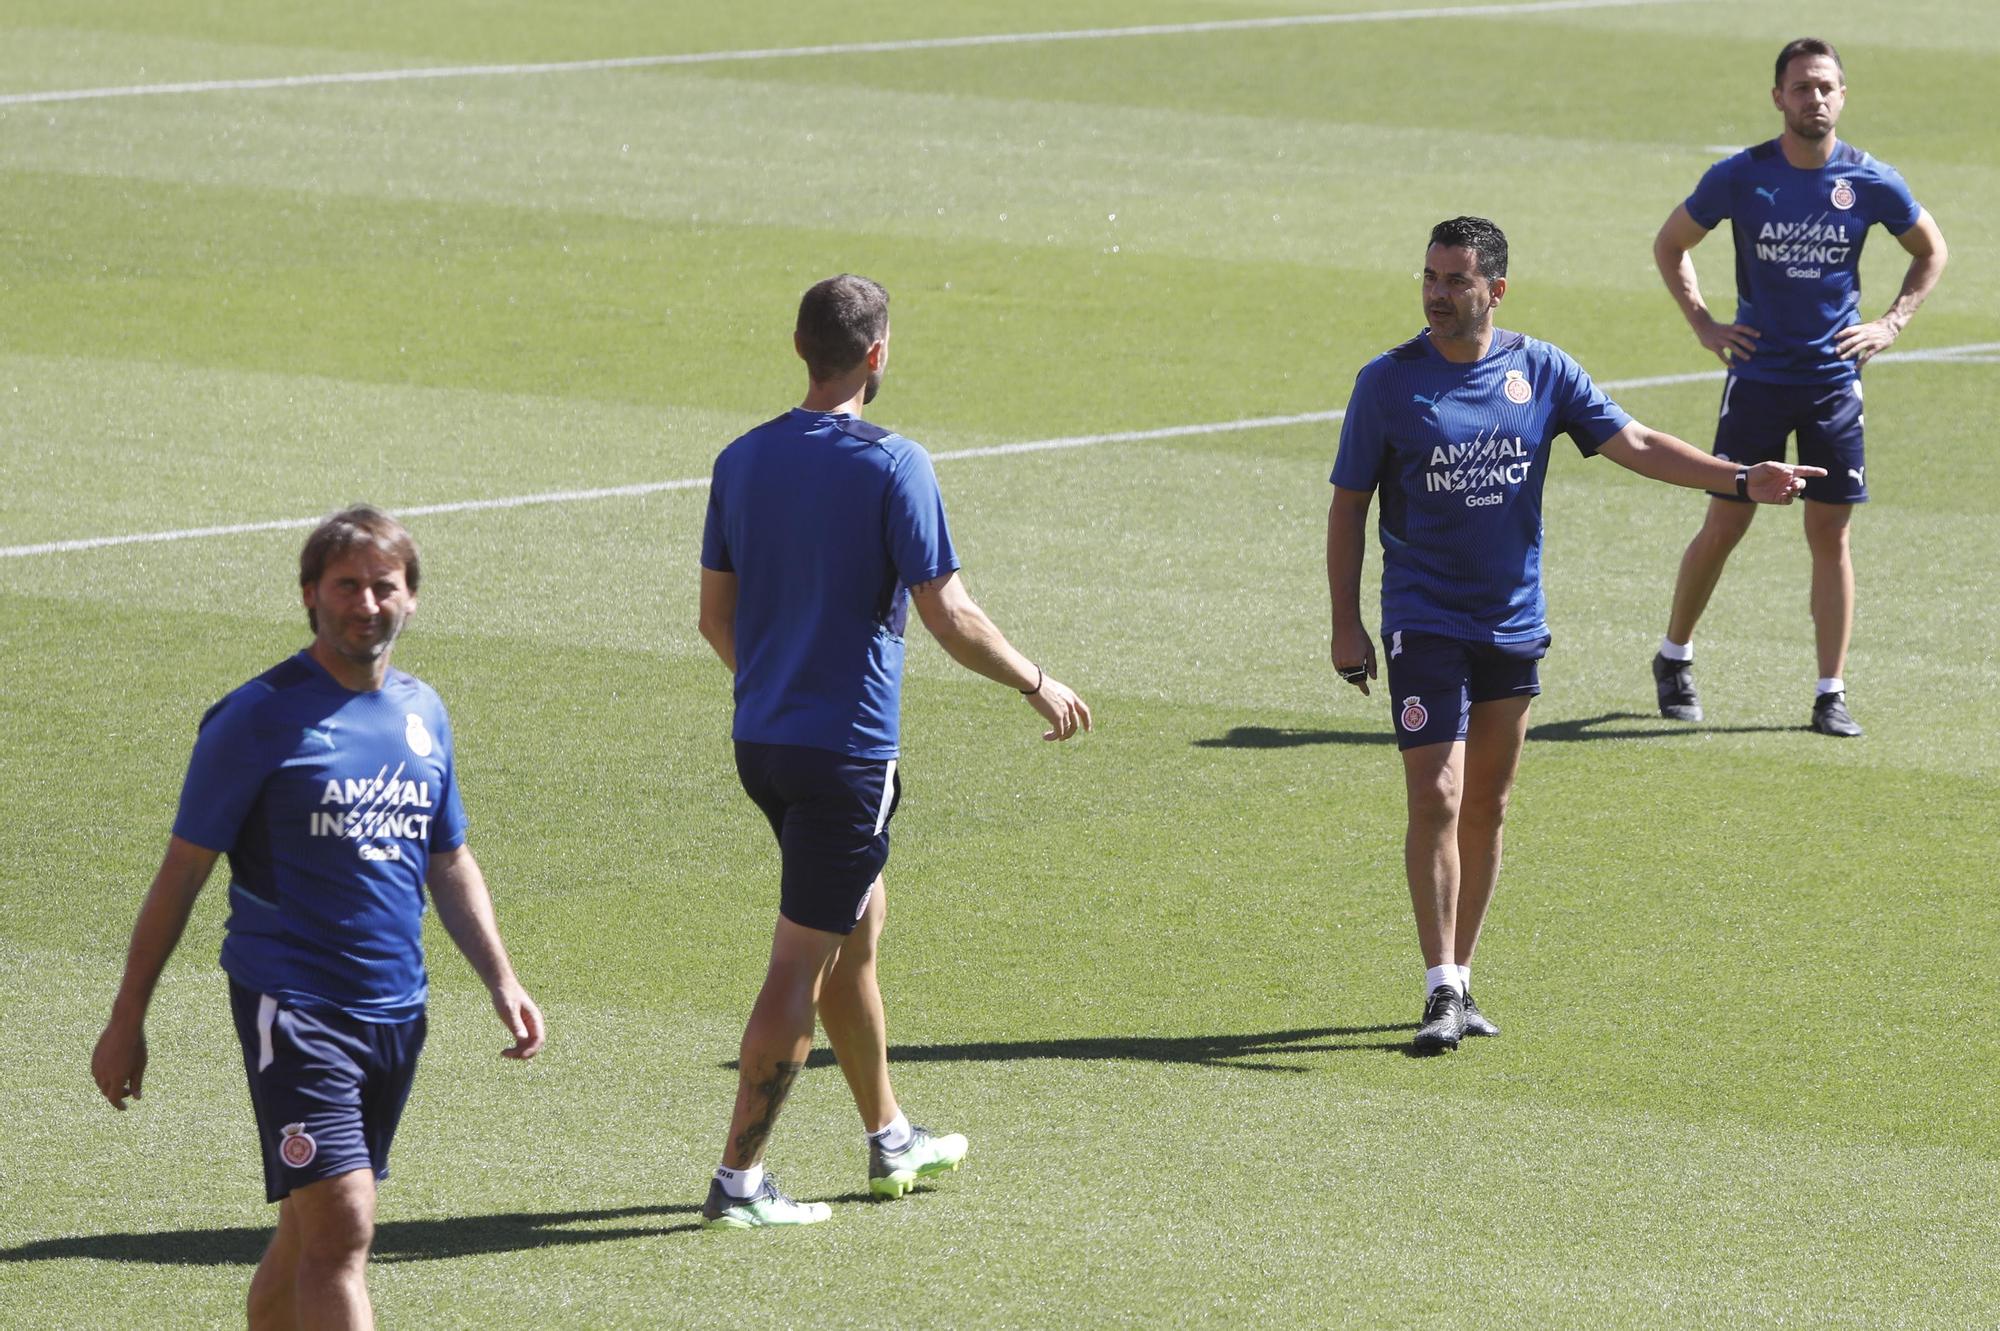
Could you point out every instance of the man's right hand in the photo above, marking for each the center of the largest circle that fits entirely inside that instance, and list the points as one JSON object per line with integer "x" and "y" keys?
{"x": 1729, "y": 342}
{"x": 1060, "y": 707}
{"x": 1354, "y": 656}
{"x": 118, "y": 1064}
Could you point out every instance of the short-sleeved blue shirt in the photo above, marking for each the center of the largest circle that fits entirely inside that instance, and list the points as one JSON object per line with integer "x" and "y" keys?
{"x": 826, "y": 521}
{"x": 1458, "y": 453}
{"x": 329, "y": 804}
{"x": 1798, "y": 240}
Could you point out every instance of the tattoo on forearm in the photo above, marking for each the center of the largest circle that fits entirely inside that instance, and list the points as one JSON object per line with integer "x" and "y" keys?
{"x": 766, "y": 1098}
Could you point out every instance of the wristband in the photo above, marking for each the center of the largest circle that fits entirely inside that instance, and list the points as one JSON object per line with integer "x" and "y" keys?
{"x": 1742, "y": 482}
{"x": 1039, "y": 678}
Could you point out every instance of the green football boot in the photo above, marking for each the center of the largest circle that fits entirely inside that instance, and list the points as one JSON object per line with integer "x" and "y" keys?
{"x": 894, "y": 1173}
{"x": 766, "y": 1206}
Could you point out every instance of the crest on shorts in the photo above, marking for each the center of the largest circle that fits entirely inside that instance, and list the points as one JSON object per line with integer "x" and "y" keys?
{"x": 1517, "y": 388}
{"x": 419, "y": 739}
{"x": 1414, "y": 715}
{"x": 1843, "y": 194}
{"x": 298, "y": 1148}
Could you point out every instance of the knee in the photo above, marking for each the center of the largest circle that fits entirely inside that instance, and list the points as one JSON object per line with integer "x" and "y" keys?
{"x": 1721, "y": 534}
{"x": 1435, "y": 802}
{"x": 1484, "y": 812}
{"x": 336, "y": 1240}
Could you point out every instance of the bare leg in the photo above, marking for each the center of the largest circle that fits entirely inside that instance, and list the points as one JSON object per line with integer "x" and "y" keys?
{"x": 1432, "y": 778}
{"x": 1832, "y": 583}
{"x": 850, "y": 1007}
{"x": 778, "y": 1036}
{"x": 274, "y": 1289}
{"x": 335, "y": 1220}
{"x": 1492, "y": 755}
{"x": 1701, "y": 564}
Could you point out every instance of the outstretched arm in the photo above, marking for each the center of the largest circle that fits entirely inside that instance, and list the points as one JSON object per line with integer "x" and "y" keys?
{"x": 1925, "y": 245}
{"x": 975, "y": 642}
{"x": 1678, "y": 235}
{"x": 118, "y": 1064}
{"x": 1662, "y": 457}
{"x": 1346, "y": 546}
{"x": 465, "y": 908}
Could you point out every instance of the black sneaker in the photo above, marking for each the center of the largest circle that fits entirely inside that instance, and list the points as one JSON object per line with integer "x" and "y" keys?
{"x": 1477, "y": 1022}
{"x": 1674, "y": 681}
{"x": 1444, "y": 1021}
{"x": 1830, "y": 716}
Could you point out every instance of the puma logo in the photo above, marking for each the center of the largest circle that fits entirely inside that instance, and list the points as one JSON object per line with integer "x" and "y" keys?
{"x": 1855, "y": 472}
{"x": 1770, "y": 196}
{"x": 1430, "y": 403}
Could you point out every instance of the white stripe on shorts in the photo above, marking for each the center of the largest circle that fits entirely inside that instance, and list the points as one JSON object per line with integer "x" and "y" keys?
{"x": 888, "y": 796}
{"x": 267, "y": 1014}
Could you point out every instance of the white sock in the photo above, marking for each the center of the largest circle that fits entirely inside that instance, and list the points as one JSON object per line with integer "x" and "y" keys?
{"x": 1677, "y": 651}
{"x": 1833, "y": 685}
{"x": 740, "y": 1183}
{"x": 1442, "y": 975}
{"x": 896, "y": 1136}
{"x": 1464, "y": 979}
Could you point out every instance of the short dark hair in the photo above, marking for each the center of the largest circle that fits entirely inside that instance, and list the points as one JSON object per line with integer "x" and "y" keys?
{"x": 1486, "y": 241}
{"x": 358, "y": 526}
{"x": 1805, "y": 46}
{"x": 839, "y": 319}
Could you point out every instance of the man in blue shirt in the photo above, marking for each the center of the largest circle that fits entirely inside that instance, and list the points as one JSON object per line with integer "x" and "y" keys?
{"x": 1453, "y": 430}
{"x": 1799, "y": 207}
{"x": 330, "y": 784}
{"x": 821, "y": 529}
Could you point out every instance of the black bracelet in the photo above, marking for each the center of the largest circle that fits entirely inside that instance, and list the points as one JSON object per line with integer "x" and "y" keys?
{"x": 1742, "y": 482}
{"x": 1039, "y": 678}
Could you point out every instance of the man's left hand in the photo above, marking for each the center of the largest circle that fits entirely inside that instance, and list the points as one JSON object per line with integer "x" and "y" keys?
{"x": 522, "y": 1019}
{"x": 1779, "y": 482}
{"x": 1859, "y": 342}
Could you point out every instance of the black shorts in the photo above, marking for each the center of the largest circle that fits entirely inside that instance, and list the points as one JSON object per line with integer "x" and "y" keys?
{"x": 1756, "y": 418}
{"x": 831, "y": 816}
{"x": 328, "y": 1089}
{"x": 1434, "y": 681}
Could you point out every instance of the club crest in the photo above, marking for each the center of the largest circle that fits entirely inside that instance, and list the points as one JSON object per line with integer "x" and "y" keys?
{"x": 1843, "y": 195}
{"x": 1414, "y": 715}
{"x": 1516, "y": 388}
{"x": 298, "y": 1148}
{"x": 419, "y": 739}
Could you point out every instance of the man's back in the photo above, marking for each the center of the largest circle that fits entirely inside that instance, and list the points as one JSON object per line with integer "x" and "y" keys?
{"x": 825, "y": 520}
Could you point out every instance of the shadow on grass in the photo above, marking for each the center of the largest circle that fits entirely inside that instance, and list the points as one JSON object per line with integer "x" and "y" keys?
{"x": 1602, "y": 726}
{"x": 1251, "y": 1052}
{"x": 395, "y": 1240}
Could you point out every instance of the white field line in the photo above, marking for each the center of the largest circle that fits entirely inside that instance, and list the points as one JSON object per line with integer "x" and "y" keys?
{"x": 1976, "y": 353}
{"x": 807, "y": 52}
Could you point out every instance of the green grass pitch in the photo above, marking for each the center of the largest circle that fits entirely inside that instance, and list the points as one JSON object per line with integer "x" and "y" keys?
{"x": 1161, "y": 977}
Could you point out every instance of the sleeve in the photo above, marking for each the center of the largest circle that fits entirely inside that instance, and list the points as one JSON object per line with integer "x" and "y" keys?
{"x": 714, "y": 540}
{"x": 1893, "y": 205}
{"x": 448, "y": 828}
{"x": 919, "y": 537}
{"x": 1364, "y": 437}
{"x": 1583, "y": 412}
{"x": 225, "y": 774}
{"x": 1711, "y": 200}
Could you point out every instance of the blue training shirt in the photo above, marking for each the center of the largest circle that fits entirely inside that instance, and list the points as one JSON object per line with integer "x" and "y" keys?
{"x": 1458, "y": 453}
{"x": 329, "y": 804}
{"x": 826, "y": 521}
{"x": 1798, "y": 240}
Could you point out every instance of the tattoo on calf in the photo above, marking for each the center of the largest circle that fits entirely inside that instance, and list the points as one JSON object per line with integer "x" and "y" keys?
{"x": 766, "y": 1098}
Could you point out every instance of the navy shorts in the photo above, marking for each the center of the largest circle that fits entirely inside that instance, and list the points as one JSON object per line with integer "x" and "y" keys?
{"x": 1757, "y": 417}
{"x": 1434, "y": 681}
{"x": 831, "y": 816}
{"x": 328, "y": 1089}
